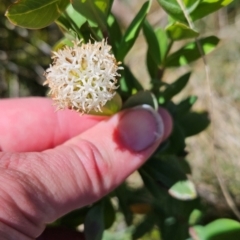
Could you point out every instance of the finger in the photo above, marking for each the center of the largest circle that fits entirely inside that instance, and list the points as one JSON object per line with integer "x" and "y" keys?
{"x": 32, "y": 124}
{"x": 82, "y": 170}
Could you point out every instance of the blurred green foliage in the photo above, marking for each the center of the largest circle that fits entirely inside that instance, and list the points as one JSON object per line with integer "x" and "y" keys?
{"x": 24, "y": 54}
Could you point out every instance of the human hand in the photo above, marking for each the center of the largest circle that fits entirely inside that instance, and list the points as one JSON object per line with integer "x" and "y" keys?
{"x": 54, "y": 162}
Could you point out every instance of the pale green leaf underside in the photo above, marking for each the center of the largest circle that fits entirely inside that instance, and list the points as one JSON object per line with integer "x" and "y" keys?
{"x": 183, "y": 190}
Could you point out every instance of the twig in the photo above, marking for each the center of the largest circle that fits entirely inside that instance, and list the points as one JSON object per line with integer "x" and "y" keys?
{"x": 215, "y": 166}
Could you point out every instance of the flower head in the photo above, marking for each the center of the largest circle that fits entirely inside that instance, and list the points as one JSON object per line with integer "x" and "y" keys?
{"x": 83, "y": 77}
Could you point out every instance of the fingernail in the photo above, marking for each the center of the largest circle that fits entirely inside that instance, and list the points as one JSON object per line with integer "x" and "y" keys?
{"x": 140, "y": 127}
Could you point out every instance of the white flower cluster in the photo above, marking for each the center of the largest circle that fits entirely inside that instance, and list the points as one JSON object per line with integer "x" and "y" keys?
{"x": 83, "y": 77}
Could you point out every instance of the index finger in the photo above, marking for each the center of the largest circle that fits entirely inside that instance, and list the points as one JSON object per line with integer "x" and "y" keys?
{"x": 32, "y": 124}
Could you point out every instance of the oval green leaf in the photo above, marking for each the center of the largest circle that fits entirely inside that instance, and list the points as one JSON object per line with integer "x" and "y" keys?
{"x": 128, "y": 83}
{"x": 179, "y": 31}
{"x": 176, "y": 140}
{"x": 191, "y": 5}
{"x": 76, "y": 18}
{"x": 94, "y": 222}
{"x": 109, "y": 213}
{"x": 221, "y": 229}
{"x": 152, "y": 67}
{"x": 190, "y": 52}
{"x": 176, "y": 87}
{"x": 193, "y": 123}
{"x": 145, "y": 226}
{"x": 195, "y": 217}
{"x": 115, "y": 34}
{"x": 62, "y": 43}
{"x": 153, "y": 44}
{"x": 183, "y": 190}
{"x": 35, "y": 14}
{"x": 133, "y": 31}
{"x": 166, "y": 171}
{"x": 185, "y": 105}
{"x": 206, "y": 7}
{"x": 110, "y": 108}
{"x": 150, "y": 184}
{"x": 172, "y": 8}
{"x": 95, "y": 11}
{"x": 195, "y": 8}
{"x": 123, "y": 201}
{"x": 74, "y": 218}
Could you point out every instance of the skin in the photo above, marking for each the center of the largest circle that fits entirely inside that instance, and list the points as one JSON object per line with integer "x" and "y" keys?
{"x": 54, "y": 162}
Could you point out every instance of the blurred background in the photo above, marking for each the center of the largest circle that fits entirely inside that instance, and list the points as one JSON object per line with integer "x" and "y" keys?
{"x": 25, "y": 54}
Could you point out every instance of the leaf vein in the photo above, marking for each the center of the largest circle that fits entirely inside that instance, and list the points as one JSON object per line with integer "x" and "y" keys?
{"x": 37, "y": 9}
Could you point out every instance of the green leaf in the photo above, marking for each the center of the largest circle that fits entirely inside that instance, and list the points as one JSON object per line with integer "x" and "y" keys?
{"x": 183, "y": 190}
{"x": 176, "y": 140}
{"x": 190, "y": 52}
{"x": 206, "y": 7}
{"x": 111, "y": 107}
{"x": 191, "y": 5}
{"x": 63, "y": 24}
{"x": 175, "y": 225}
{"x": 140, "y": 98}
{"x": 152, "y": 66}
{"x": 162, "y": 39}
{"x": 144, "y": 226}
{"x": 67, "y": 27}
{"x": 176, "y": 87}
{"x": 94, "y": 222}
{"x": 166, "y": 171}
{"x": 153, "y": 44}
{"x": 150, "y": 184}
{"x": 75, "y": 218}
{"x": 76, "y": 18}
{"x": 95, "y": 11}
{"x": 62, "y": 43}
{"x": 35, "y": 14}
{"x": 128, "y": 83}
{"x": 123, "y": 201}
{"x": 185, "y": 105}
{"x": 170, "y": 175}
{"x": 172, "y": 8}
{"x": 180, "y": 31}
{"x": 109, "y": 213}
{"x": 157, "y": 47}
{"x": 185, "y": 166}
{"x": 221, "y": 229}
{"x": 195, "y": 217}
{"x": 115, "y": 34}
{"x": 132, "y": 31}
{"x": 89, "y": 32}
{"x": 193, "y": 123}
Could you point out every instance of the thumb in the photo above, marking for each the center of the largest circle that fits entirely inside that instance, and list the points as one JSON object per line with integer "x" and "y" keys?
{"x": 102, "y": 157}
{"x": 85, "y": 168}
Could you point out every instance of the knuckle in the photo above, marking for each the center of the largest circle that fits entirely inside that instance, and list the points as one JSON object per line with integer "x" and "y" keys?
{"x": 96, "y": 167}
